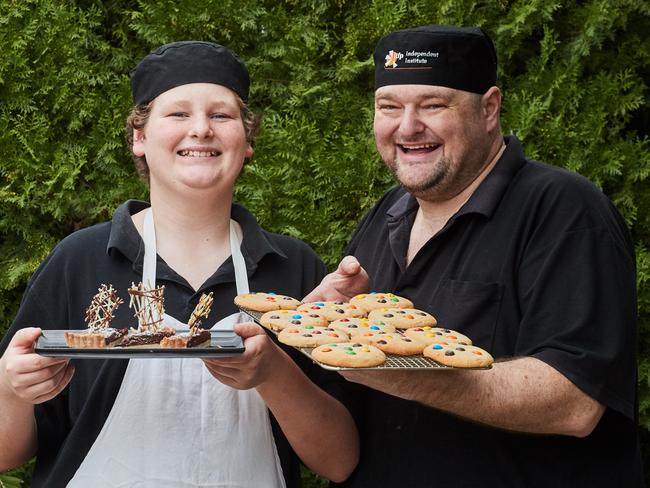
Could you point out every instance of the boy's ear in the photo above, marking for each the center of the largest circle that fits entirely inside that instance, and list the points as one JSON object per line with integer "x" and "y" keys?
{"x": 138, "y": 139}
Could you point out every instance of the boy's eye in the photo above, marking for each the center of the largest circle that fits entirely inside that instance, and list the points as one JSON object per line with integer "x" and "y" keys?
{"x": 220, "y": 115}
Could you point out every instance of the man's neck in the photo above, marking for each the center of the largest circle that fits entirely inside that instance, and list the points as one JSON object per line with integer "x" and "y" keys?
{"x": 438, "y": 209}
{"x": 432, "y": 216}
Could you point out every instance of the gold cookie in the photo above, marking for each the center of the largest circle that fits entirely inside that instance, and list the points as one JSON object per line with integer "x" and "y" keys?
{"x": 349, "y": 355}
{"x": 280, "y": 319}
{"x": 437, "y": 334}
{"x": 392, "y": 343}
{"x": 371, "y": 301}
{"x": 264, "y": 302}
{"x": 403, "y": 318}
{"x": 333, "y": 310}
{"x": 354, "y": 325}
{"x": 458, "y": 355}
{"x": 310, "y": 336}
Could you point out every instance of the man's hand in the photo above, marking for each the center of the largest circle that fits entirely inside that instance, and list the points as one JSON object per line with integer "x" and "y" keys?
{"x": 348, "y": 280}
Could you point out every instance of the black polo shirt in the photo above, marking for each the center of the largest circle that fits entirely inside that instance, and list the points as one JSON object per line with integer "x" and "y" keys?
{"x": 62, "y": 287}
{"x": 537, "y": 263}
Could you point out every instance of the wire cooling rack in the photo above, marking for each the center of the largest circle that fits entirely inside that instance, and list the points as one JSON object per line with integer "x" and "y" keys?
{"x": 393, "y": 361}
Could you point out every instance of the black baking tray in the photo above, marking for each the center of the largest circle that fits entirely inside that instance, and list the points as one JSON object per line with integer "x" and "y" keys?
{"x": 224, "y": 343}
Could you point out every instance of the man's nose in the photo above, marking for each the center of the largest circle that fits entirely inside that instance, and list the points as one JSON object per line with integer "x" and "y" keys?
{"x": 410, "y": 123}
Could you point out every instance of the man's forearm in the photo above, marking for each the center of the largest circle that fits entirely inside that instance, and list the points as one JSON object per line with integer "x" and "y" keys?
{"x": 524, "y": 395}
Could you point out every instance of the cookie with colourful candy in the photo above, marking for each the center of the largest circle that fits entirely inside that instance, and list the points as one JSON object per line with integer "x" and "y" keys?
{"x": 392, "y": 343}
{"x": 354, "y": 325}
{"x": 373, "y": 300}
{"x": 349, "y": 355}
{"x": 403, "y": 318}
{"x": 265, "y": 302}
{"x": 281, "y": 319}
{"x": 333, "y": 310}
{"x": 458, "y": 355}
{"x": 437, "y": 334}
{"x": 311, "y": 336}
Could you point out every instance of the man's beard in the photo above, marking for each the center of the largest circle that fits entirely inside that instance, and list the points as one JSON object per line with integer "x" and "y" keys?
{"x": 431, "y": 187}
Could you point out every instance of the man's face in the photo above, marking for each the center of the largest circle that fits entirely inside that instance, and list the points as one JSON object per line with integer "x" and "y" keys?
{"x": 434, "y": 139}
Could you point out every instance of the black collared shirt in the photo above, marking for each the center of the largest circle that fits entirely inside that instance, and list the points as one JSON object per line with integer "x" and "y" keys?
{"x": 111, "y": 253}
{"x": 537, "y": 263}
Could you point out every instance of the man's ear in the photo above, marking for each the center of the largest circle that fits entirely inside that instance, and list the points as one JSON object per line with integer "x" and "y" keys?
{"x": 138, "y": 140}
{"x": 491, "y": 104}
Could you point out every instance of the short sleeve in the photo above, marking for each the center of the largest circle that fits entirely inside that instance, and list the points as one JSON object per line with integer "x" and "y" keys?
{"x": 578, "y": 295}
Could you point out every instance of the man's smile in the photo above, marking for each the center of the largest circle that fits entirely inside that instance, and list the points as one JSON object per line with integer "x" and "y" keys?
{"x": 421, "y": 148}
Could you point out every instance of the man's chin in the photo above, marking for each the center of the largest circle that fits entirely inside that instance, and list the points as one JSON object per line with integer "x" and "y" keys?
{"x": 420, "y": 176}
{"x": 420, "y": 193}
{"x": 419, "y": 187}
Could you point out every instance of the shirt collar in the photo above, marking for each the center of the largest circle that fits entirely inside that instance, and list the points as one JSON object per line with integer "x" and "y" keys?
{"x": 125, "y": 238}
{"x": 489, "y": 193}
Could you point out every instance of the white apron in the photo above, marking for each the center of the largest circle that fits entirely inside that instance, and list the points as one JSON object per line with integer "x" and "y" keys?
{"x": 174, "y": 425}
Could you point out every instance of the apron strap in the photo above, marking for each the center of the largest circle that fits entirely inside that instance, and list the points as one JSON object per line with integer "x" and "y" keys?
{"x": 150, "y": 256}
{"x": 241, "y": 277}
{"x": 149, "y": 261}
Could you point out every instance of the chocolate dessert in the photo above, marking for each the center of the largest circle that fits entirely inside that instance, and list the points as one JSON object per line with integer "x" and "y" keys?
{"x": 201, "y": 338}
{"x": 196, "y": 337}
{"x": 147, "y": 338}
{"x": 88, "y": 339}
{"x": 149, "y": 310}
{"x": 98, "y": 317}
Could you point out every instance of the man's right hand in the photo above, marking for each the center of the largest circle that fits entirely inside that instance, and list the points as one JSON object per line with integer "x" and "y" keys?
{"x": 29, "y": 377}
{"x": 348, "y": 280}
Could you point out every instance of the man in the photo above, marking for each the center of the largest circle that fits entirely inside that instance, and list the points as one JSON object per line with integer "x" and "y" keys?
{"x": 530, "y": 261}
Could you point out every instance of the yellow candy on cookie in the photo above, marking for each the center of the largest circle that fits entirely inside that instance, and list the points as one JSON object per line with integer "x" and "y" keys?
{"x": 374, "y": 300}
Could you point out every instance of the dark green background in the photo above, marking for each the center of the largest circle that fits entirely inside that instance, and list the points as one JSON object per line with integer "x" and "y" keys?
{"x": 574, "y": 74}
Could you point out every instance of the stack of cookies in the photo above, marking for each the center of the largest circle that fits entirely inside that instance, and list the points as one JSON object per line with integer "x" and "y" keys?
{"x": 360, "y": 333}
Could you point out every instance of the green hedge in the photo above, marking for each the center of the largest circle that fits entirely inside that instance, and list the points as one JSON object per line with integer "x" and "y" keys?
{"x": 575, "y": 77}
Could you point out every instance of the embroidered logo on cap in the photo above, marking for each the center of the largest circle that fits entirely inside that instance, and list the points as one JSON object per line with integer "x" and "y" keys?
{"x": 391, "y": 59}
{"x": 412, "y": 57}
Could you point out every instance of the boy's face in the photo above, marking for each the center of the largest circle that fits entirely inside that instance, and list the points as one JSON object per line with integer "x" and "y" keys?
{"x": 194, "y": 137}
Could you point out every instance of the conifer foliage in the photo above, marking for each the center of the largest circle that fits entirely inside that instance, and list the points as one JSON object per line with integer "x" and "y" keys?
{"x": 574, "y": 74}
